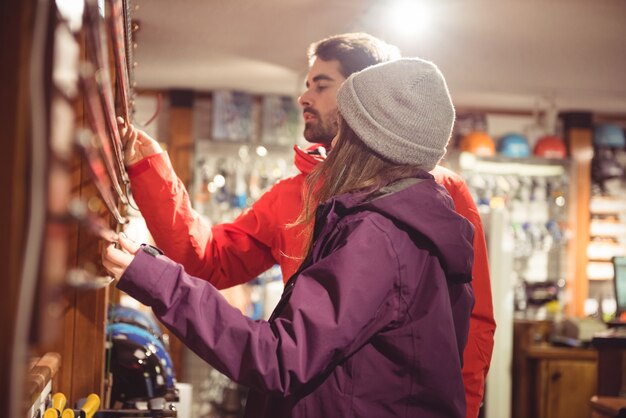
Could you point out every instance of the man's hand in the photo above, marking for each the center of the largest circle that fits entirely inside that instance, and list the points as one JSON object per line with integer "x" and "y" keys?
{"x": 117, "y": 261}
{"x": 137, "y": 144}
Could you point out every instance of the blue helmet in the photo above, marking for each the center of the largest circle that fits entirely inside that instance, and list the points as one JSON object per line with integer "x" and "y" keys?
{"x": 141, "y": 367}
{"x": 608, "y": 135}
{"x": 514, "y": 146}
{"x": 127, "y": 315}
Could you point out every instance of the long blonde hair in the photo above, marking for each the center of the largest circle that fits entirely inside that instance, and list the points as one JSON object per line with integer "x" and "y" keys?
{"x": 350, "y": 167}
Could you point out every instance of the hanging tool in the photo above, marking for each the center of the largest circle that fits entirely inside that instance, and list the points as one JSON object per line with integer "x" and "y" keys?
{"x": 58, "y": 404}
{"x": 116, "y": 30}
{"x": 96, "y": 166}
{"x": 80, "y": 212}
{"x": 82, "y": 279}
{"x": 129, "y": 28}
{"x": 95, "y": 48}
{"x": 96, "y": 116}
{"x": 88, "y": 409}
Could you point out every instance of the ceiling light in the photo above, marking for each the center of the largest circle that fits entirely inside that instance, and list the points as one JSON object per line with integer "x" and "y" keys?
{"x": 409, "y": 18}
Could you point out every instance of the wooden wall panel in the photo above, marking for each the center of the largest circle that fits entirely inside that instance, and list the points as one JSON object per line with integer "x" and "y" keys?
{"x": 88, "y": 311}
{"x": 75, "y": 323}
{"x": 15, "y": 37}
{"x": 180, "y": 149}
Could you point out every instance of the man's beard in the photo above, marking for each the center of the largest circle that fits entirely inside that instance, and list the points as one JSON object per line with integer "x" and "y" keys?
{"x": 321, "y": 131}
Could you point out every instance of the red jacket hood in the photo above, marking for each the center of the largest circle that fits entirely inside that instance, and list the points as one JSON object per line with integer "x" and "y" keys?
{"x": 306, "y": 159}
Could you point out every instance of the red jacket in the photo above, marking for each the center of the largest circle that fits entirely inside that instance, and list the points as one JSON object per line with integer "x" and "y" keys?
{"x": 234, "y": 253}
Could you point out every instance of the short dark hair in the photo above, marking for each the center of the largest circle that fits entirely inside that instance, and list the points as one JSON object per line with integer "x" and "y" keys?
{"x": 354, "y": 51}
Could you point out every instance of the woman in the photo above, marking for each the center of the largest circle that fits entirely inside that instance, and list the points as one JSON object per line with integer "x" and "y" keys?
{"x": 374, "y": 322}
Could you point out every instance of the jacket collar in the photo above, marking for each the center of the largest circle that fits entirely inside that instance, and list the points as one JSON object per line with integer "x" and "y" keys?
{"x": 306, "y": 159}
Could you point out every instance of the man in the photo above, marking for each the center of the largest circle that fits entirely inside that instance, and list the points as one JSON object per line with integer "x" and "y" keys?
{"x": 234, "y": 253}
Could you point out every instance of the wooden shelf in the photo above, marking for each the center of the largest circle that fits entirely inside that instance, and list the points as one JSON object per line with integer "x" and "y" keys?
{"x": 548, "y": 352}
{"x": 607, "y": 406}
{"x": 42, "y": 379}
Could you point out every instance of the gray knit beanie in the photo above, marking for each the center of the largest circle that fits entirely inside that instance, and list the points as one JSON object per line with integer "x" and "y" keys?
{"x": 401, "y": 110}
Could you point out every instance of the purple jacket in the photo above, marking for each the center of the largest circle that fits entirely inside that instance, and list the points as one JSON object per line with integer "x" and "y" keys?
{"x": 373, "y": 324}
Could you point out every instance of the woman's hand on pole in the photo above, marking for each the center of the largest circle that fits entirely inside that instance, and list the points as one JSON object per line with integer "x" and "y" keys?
{"x": 115, "y": 260}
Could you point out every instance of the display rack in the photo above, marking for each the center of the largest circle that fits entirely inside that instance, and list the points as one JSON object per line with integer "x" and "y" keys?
{"x": 607, "y": 239}
{"x": 523, "y": 206}
{"x": 75, "y": 192}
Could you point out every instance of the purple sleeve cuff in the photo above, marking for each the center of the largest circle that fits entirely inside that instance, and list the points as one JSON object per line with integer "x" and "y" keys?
{"x": 142, "y": 278}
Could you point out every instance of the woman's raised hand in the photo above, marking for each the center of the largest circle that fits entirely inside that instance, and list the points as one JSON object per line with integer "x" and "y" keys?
{"x": 137, "y": 144}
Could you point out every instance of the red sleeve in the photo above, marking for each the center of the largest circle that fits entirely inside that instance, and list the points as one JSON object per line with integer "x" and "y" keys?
{"x": 477, "y": 354}
{"x": 225, "y": 255}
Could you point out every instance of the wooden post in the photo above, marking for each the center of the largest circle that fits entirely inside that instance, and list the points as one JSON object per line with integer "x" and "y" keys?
{"x": 180, "y": 142}
{"x": 180, "y": 149}
{"x": 578, "y": 135}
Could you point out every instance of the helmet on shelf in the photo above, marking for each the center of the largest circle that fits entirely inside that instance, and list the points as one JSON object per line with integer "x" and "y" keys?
{"x": 604, "y": 166}
{"x": 608, "y": 135}
{"x": 478, "y": 143}
{"x": 140, "y": 366}
{"x": 550, "y": 146}
{"x": 514, "y": 146}
{"x": 127, "y": 315}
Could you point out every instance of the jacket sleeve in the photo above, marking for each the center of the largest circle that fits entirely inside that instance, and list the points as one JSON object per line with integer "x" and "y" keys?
{"x": 477, "y": 353}
{"x": 224, "y": 255}
{"x": 334, "y": 308}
